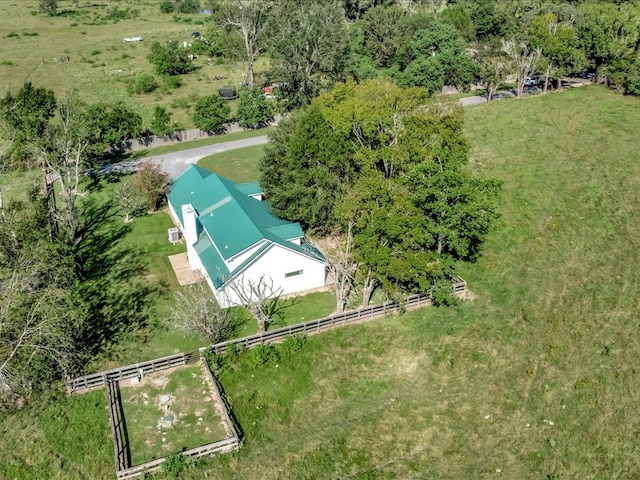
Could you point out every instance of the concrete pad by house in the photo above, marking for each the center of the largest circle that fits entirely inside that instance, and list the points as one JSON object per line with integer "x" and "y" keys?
{"x": 180, "y": 265}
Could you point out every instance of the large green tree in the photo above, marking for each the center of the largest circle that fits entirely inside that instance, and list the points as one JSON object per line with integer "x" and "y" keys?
{"x": 309, "y": 48}
{"x": 558, "y": 45}
{"x": 305, "y": 169}
{"x": 404, "y": 191}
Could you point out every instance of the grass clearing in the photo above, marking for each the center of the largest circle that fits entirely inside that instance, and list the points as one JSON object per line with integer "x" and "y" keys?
{"x": 240, "y": 165}
{"x": 83, "y": 50}
{"x": 196, "y": 421}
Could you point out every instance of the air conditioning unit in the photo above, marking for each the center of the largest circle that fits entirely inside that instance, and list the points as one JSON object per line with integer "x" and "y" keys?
{"x": 174, "y": 235}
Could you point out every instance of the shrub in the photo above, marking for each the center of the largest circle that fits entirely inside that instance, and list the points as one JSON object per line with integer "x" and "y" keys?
{"x": 95, "y": 52}
{"x": 12, "y": 34}
{"x": 177, "y": 463}
{"x": 262, "y": 354}
{"x": 254, "y": 110}
{"x": 187, "y": 6}
{"x": 161, "y": 123}
{"x": 151, "y": 183}
{"x": 442, "y": 294}
{"x": 293, "y": 343}
{"x": 166, "y": 6}
{"x": 145, "y": 83}
{"x": 211, "y": 113}
{"x": 170, "y": 59}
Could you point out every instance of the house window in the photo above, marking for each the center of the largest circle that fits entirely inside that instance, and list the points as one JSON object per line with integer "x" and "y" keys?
{"x": 293, "y": 274}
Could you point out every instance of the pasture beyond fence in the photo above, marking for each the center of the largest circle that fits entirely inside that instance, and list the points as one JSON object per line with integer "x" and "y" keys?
{"x": 109, "y": 379}
{"x": 95, "y": 380}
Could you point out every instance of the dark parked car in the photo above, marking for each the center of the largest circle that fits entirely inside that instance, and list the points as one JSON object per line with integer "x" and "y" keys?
{"x": 195, "y": 34}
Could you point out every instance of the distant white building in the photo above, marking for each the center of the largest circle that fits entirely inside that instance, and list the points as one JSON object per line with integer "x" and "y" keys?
{"x": 233, "y": 238}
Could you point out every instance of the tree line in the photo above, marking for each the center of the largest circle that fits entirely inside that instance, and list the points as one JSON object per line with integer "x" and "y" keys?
{"x": 69, "y": 290}
{"x": 384, "y": 167}
{"x": 431, "y": 44}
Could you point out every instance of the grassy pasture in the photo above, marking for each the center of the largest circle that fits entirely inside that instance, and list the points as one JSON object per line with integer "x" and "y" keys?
{"x": 536, "y": 378}
{"x": 83, "y": 51}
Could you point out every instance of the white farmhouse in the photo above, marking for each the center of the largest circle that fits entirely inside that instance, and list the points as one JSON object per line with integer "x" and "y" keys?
{"x": 232, "y": 236}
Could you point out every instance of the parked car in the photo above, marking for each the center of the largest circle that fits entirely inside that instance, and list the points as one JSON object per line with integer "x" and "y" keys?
{"x": 195, "y": 34}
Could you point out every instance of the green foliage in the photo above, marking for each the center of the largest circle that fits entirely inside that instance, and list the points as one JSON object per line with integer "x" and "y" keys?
{"x": 167, "y": 6}
{"x": 426, "y": 72}
{"x": 305, "y": 169}
{"x": 176, "y": 463}
{"x": 110, "y": 126}
{"x": 26, "y": 115}
{"x": 261, "y": 354}
{"x": 170, "y": 59}
{"x": 161, "y": 123}
{"x": 150, "y": 183}
{"x": 187, "y": 6}
{"x": 145, "y": 83}
{"x": 358, "y": 157}
{"x": 459, "y": 16}
{"x": 309, "y": 48}
{"x": 383, "y": 27}
{"x": 211, "y": 113}
{"x": 442, "y": 293}
{"x": 558, "y": 43}
{"x": 254, "y": 110}
{"x": 293, "y": 344}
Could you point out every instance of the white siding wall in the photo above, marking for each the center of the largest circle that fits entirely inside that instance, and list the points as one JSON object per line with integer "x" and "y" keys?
{"x": 275, "y": 263}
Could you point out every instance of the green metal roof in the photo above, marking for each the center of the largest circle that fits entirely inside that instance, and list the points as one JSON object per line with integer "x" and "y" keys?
{"x": 288, "y": 231}
{"x": 232, "y": 219}
{"x": 212, "y": 261}
{"x": 251, "y": 188}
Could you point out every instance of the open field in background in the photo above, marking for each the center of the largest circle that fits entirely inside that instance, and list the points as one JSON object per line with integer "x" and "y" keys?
{"x": 534, "y": 379}
{"x": 100, "y": 63}
{"x": 196, "y": 421}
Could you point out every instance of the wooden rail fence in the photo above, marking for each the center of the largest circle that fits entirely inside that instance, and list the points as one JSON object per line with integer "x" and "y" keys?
{"x": 95, "y": 380}
{"x": 116, "y": 421}
{"x": 110, "y": 379}
{"x": 122, "y": 451}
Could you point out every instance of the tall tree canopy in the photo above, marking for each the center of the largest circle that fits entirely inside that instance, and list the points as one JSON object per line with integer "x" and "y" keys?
{"x": 390, "y": 163}
{"x": 309, "y": 48}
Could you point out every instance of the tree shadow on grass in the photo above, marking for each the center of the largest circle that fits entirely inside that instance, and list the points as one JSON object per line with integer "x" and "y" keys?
{"x": 111, "y": 284}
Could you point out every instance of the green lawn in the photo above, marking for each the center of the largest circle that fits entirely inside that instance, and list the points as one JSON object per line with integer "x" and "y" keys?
{"x": 239, "y": 165}
{"x": 533, "y": 379}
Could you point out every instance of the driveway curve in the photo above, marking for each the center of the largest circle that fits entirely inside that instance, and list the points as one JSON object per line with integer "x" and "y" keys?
{"x": 175, "y": 163}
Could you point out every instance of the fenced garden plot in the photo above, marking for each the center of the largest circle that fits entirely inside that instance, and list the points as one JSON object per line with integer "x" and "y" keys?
{"x": 170, "y": 412}
{"x": 173, "y": 411}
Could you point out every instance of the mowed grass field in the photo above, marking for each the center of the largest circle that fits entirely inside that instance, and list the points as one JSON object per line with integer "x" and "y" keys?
{"x": 536, "y": 378}
{"x": 83, "y": 50}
